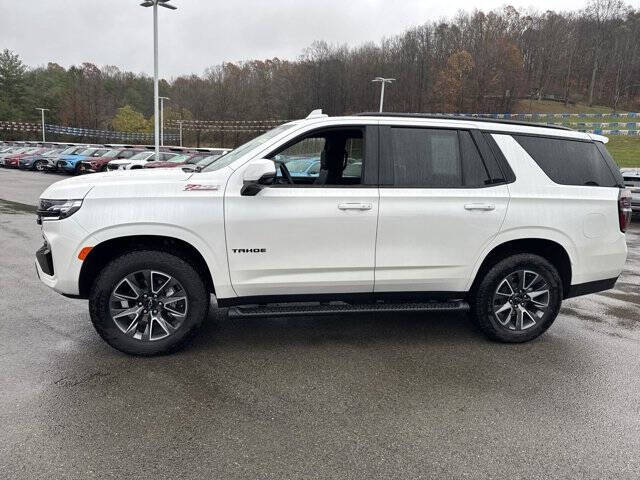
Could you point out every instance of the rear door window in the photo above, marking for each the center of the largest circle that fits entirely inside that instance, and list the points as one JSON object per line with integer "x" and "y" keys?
{"x": 569, "y": 162}
{"x": 436, "y": 158}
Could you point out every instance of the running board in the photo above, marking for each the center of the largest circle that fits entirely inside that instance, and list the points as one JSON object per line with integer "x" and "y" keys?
{"x": 334, "y": 309}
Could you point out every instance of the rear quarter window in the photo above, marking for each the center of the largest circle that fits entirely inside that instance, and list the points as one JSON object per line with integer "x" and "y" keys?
{"x": 569, "y": 162}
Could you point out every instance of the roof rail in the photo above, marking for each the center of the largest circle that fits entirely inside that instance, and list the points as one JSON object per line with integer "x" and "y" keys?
{"x": 460, "y": 117}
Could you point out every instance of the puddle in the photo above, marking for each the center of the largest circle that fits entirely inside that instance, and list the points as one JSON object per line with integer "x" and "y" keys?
{"x": 13, "y": 208}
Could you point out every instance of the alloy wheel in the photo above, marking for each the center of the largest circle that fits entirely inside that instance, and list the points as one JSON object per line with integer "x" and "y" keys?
{"x": 521, "y": 300}
{"x": 148, "y": 305}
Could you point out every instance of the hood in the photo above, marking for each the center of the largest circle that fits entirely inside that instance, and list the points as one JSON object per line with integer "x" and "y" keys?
{"x": 78, "y": 187}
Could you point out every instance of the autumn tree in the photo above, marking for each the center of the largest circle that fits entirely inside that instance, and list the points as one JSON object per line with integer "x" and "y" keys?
{"x": 453, "y": 81}
{"x": 129, "y": 120}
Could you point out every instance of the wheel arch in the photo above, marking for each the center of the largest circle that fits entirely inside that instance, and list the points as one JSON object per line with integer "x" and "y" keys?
{"x": 104, "y": 252}
{"x": 550, "y": 250}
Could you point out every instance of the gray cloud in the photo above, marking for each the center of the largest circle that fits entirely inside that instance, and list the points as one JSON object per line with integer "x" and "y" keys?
{"x": 202, "y": 33}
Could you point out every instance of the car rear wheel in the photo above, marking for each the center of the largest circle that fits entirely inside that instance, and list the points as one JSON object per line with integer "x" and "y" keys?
{"x": 518, "y": 299}
{"x": 148, "y": 302}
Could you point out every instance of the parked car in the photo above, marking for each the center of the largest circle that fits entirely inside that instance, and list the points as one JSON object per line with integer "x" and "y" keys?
{"x": 448, "y": 215}
{"x": 178, "y": 161}
{"x": 71, "y": 163}
{"x": 302, "y": 167}
{"x": 99, "y": 164}
{"x": 201, "y": 164}
{"x": 632, "y": 181}
{"x": 39, "y": 160}
{"x": 50, "y": 164}
{"x": 12, "y": 151}
{"x": 139, "y": 160}
{"x": 13, "y": 160}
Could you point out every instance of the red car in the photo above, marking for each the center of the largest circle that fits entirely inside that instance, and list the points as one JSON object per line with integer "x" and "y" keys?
{"x": 99, "y": 164}
{"x": 13, "y": 161}
{"x": 188, "y": 158}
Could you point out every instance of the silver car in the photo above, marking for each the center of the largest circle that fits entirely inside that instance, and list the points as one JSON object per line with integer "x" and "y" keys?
{"x": 632, "y": 181}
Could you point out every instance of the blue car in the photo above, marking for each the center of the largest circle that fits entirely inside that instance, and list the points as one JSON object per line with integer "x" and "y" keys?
{"x": 71, "y": 163}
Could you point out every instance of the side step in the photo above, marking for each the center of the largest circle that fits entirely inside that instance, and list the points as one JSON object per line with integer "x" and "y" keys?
{"x": 341, "y": 308}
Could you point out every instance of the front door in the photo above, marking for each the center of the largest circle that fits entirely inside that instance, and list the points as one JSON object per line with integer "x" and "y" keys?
{"x": 312, "y": 232}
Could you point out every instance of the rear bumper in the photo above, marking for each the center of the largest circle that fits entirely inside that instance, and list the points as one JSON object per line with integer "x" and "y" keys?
{"x": 591, "y": 287}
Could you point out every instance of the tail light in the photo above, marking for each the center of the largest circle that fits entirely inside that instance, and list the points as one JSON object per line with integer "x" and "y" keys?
{"x": 624, "y": 208}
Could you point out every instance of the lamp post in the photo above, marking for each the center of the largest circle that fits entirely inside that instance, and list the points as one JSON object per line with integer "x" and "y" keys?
{"x": 156, "y": 122}
{"x": 162, "y": 99}
{"x": 42, "y": 110}
{"x": 180, "y": 124}
{"x": 382, "y": 81}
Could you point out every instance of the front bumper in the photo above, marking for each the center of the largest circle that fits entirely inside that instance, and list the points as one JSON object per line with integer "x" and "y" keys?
{"x": 57, "y": 261}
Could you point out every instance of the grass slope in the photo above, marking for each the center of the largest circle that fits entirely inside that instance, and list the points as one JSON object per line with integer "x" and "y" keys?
{"x": 625, "y": 150}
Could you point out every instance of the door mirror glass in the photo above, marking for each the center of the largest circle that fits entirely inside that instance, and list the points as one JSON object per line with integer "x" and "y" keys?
{"x": 258, "y": 174}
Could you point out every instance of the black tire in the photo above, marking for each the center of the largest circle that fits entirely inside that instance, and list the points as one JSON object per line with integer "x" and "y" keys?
{"x": 38, "y": 165}
{"x": 100, "y": 301}
{"x": 486, "y": 294}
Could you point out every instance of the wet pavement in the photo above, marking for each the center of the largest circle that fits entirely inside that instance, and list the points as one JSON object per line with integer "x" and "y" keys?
{"x": 362, "y": 396}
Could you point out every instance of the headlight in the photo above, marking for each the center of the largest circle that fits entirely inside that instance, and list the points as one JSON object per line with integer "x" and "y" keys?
{"x": 57, "y": 209}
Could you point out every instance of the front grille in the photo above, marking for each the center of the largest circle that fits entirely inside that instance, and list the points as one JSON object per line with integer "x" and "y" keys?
{"x": 112, "y": 167}
{"x": 61, "y": 163}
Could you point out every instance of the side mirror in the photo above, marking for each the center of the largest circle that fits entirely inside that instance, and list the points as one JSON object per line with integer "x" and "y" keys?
{"x": 258, "y": 174}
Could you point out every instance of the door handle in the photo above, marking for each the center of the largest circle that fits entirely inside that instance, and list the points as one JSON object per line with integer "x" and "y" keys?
{"x": 354, "y": 206}
{"x": 480, "y": 206}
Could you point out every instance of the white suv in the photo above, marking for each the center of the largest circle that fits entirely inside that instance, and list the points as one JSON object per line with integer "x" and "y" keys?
{"x": 407, "y": 213}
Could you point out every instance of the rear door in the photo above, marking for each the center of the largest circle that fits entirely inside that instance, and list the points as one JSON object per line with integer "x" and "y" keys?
{"x": 443, "y": 198}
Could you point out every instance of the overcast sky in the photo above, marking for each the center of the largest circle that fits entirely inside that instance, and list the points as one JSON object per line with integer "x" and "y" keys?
{"x": 202, "y": 33}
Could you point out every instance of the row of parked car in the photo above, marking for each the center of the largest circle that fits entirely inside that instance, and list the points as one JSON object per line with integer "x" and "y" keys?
{"x": 76, "y": 159}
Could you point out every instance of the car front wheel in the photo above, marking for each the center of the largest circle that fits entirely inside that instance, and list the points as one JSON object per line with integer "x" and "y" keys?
{"x": 148, "y": 302}
{"x": 518, "y": 299}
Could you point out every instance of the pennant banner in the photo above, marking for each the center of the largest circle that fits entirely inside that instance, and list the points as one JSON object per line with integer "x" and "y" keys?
{"x": 82, "y": 132}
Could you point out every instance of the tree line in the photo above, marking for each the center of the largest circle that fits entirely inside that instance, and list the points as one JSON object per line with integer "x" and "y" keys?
{"x": 475, "y": 62}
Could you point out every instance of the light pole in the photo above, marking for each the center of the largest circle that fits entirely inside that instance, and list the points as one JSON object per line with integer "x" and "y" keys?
{"x": 180, "y": 125}
{"x": 42, "y": 110}
{"x": 162, "y": 99}
{"x": 382, "y": 80}
{"x": 156, "y": 122}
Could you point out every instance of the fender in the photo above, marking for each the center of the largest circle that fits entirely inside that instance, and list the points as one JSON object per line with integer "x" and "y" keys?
{"x": 525, "y": 233}
{"x": 217, "y": 263}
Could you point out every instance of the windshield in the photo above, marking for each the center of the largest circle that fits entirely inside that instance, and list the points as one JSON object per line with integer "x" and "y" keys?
{"x": 234, "y": 155}
{"x": 203, "y": 162}
{"x": 178, "y": 159}
{"x": 51, "y": 153}
{"x": 141, "y": 156}
{"x": 86, "y": 151}
{"x": 111, "y": 153}
{"x": 68, "y": 150}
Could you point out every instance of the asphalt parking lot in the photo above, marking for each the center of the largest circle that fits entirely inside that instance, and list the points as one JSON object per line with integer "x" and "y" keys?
{"x": 367, "y": 396}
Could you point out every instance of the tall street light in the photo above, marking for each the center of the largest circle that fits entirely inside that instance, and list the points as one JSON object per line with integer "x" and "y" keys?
{"x": 180, "y": 123}
{"x": 382, "y": 81}
{"x": 162, "y": 99}
{"x": 42, "y": 110}
{"x": 156, "y": 120}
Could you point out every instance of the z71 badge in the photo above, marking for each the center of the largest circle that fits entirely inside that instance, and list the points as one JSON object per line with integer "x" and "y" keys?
{"x": 192, "y": 187}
